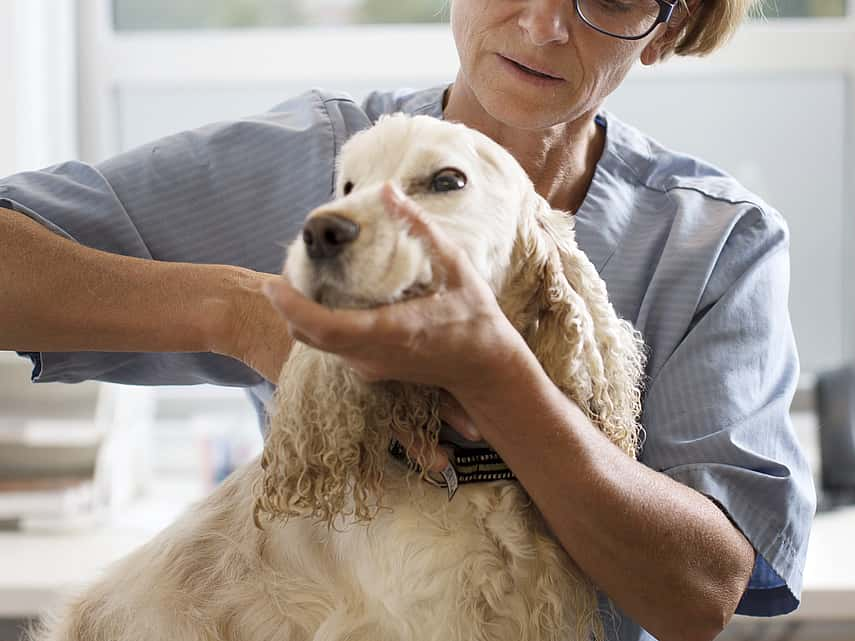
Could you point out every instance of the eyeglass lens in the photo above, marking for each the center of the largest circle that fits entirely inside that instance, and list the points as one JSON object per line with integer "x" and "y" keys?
{"x": 623, "y": 18}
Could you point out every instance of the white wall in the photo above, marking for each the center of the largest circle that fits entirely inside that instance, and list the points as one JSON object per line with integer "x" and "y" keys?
{"x": 8, "y": 75}
{"x": 38, "y": 111}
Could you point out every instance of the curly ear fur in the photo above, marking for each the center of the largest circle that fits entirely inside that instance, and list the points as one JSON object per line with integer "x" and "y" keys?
{"x": 328, "y": 439}
{"x": 595, "y": 357}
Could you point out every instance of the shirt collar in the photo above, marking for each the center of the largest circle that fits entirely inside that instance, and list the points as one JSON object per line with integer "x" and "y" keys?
{"x": 427, "y": 102}
{"x": 606, "y": 210}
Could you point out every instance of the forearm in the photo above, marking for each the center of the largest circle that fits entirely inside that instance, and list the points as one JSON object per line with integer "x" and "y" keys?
{"x": 58, "y": 295}
{"x": 664, "y": 553}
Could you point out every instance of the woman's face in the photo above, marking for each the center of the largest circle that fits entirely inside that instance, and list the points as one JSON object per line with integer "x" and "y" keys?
{"x": 546, "y": 35}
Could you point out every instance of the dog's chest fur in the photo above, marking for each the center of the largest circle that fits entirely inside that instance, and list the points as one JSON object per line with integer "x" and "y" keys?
{"x": 480, "y": 567}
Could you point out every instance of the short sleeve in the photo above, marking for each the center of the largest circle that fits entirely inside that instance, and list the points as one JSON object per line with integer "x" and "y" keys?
{"x": 716, "y": 413}
{"x": 232, "y": 193}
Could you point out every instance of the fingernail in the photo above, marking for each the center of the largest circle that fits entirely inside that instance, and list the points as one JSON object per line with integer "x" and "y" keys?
{"x": 471, "y": 433}
{"x": 440, "y": 460}
{"x": 396, "y": 195}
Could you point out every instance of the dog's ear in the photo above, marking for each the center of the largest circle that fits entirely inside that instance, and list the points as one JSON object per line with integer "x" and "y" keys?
{"x": 321, "y": 458}
{"x": 595, "y": 357}
{"x": 328, "y": 439}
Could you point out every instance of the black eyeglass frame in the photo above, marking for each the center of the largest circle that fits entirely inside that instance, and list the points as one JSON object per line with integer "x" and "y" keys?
{"x": 666, "y": 10}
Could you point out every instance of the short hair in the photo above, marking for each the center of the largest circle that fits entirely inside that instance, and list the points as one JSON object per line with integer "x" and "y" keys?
{"x": 710, "y": 24}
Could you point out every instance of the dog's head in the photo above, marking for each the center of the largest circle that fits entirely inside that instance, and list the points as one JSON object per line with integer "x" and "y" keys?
{"x": 329, "y": 432}
{"x": 353, "y": 254}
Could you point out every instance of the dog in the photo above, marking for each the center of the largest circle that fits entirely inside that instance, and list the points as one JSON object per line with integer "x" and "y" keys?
{"x": 326, "y": 536}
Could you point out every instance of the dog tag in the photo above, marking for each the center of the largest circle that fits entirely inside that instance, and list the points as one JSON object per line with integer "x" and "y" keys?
{"x": 450, "y": 476}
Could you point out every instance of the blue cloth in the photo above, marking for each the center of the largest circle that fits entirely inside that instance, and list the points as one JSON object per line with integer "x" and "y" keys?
{"x": 695, "y": 261}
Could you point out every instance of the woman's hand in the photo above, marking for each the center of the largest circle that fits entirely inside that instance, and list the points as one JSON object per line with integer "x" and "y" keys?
{"x": 451, "y": 412}
{"x": 449, "y": 339}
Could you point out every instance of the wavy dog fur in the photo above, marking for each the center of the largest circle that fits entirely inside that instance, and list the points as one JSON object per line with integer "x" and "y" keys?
{"x": 328, "y": 539}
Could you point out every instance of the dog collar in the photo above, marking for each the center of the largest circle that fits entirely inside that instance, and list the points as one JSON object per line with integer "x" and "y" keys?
{"x": 465, "y": 465}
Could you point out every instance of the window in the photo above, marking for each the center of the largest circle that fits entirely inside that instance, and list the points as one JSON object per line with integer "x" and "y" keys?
{"x": 217, "y": 14}
{"x": 804, "y": 8}
{"x": 130, "y": 15}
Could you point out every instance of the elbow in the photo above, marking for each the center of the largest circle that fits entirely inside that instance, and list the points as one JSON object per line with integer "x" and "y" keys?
{"x": 695, "y": 630}
{"x": 722, "y": 591}
{"x": 714, "y": 623}
{"x": 716, "y": 610}
{"x": 704, "y": 622}
{"x": 704, "y": 628}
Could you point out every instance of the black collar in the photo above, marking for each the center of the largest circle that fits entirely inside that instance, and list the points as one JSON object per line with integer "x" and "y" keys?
{"x": 465, "y": 465}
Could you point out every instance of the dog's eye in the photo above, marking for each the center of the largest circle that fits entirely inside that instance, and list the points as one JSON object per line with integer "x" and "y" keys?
{"x": 448, "y": 179}
{"x": 348, "y": 187}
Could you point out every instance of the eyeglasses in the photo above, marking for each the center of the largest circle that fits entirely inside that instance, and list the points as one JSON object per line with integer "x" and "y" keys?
{"x": 625, "y": 19}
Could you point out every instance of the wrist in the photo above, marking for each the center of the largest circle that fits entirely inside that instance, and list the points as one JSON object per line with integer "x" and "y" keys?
{"x": 226, "y": 293}
{"x": 504, "y": 362}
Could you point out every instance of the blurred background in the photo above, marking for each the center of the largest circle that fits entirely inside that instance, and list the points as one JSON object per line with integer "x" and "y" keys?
{"x": 87, "y": 473}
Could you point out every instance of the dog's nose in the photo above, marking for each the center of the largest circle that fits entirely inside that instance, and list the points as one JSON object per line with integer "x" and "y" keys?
{"x": 326, "y": 236}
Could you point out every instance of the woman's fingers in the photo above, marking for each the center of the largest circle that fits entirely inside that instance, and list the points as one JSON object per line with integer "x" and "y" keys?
{"x": 452, "y": 412}
{"x": 440, "y": 460}
{"x": 414, "y": 444}
{"x": 400, "y": 341}
{"x": 336, "y": 330}
{"x": 450, "y": 256}
{"x": 317, "y": 325}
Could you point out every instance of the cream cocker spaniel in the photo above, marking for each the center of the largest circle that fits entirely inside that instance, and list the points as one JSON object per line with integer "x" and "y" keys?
{"x": 328, "y": 537}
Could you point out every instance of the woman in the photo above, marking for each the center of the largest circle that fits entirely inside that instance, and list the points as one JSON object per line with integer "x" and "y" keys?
{"x": 712, "y": 519}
